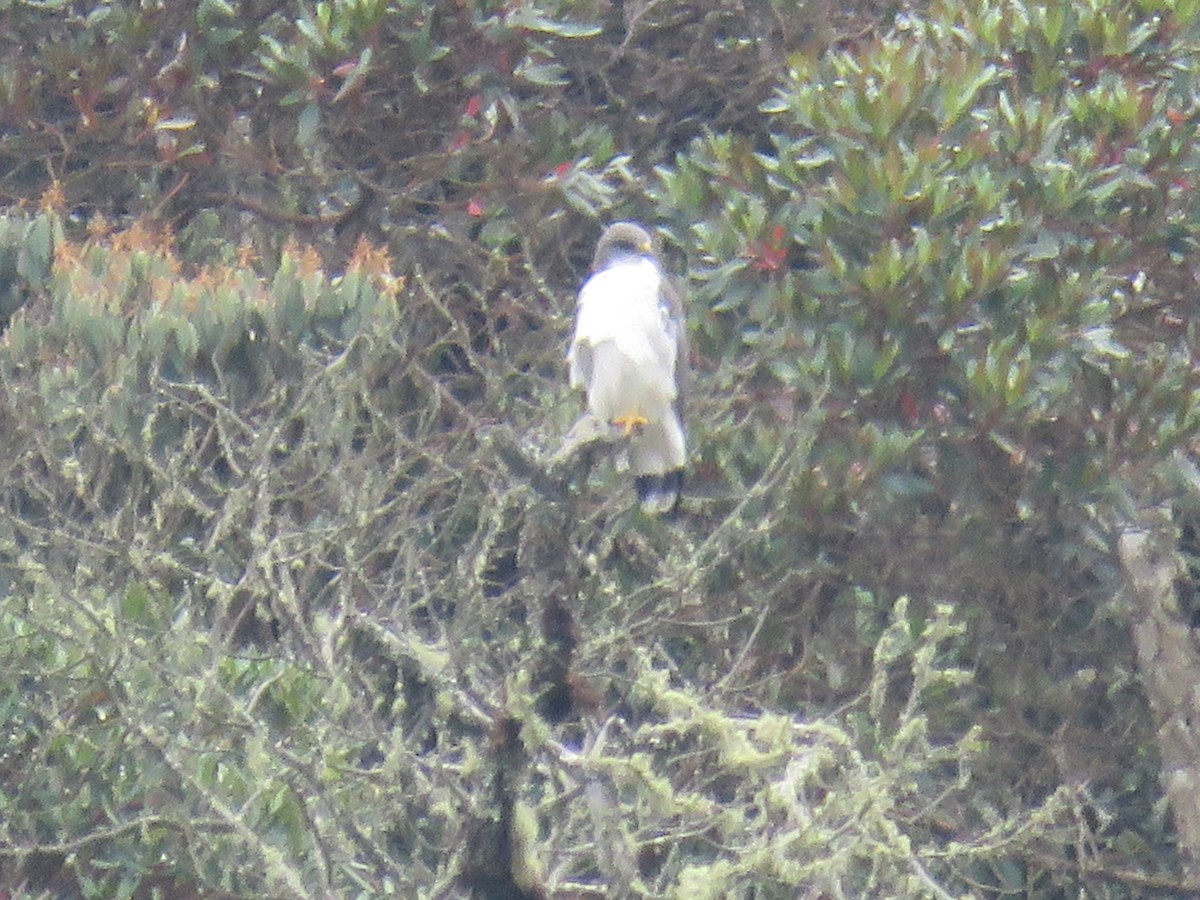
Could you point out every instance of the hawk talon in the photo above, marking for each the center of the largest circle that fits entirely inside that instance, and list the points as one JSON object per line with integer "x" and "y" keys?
{"x": 631, "y": 423}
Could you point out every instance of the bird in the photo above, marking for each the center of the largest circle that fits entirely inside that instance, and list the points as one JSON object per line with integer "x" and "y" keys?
{"x": 628, "y": 353}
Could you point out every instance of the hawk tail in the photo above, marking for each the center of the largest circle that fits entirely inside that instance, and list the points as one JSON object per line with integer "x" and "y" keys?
{"x": 659, "y": 494}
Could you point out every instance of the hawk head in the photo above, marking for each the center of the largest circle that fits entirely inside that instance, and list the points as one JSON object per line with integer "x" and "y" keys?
{"x": 622, "y": 239}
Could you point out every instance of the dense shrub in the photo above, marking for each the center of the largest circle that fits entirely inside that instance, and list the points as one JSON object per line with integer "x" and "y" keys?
{"x": 269, "y": 631}
{"x": 298, "y": 600}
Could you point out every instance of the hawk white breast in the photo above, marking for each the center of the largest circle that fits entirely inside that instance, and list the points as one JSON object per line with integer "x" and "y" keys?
{"x": 628, "y": 354}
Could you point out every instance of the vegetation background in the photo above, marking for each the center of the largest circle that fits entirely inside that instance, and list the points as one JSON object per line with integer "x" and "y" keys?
{"x": 296, "y": 599}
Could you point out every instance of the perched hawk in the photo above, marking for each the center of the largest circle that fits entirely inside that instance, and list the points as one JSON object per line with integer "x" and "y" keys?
{"x": 628, "y": 353}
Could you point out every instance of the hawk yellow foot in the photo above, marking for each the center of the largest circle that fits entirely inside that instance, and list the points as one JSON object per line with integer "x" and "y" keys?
{"x": 631, "y": 422}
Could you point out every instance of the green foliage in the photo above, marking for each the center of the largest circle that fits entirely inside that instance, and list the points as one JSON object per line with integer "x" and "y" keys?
{"x": 458, "y": 116}
{"x": 974, "y": 219}
{"x": 288, "y": 606}
{"x": 275, "y": 775}
{"x": 946, "y": 243}
{"x": 26, "y": 252}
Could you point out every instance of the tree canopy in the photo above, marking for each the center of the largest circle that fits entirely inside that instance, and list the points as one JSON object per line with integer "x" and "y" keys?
{"x": 302, "y": 594}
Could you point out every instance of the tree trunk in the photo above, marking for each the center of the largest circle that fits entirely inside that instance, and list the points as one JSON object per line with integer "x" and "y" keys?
{"x": 1170, "y": 669}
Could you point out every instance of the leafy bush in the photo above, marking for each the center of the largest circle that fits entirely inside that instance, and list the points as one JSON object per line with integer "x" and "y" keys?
{"x": 260, "y": 635}
{"x": 296, "y": 601}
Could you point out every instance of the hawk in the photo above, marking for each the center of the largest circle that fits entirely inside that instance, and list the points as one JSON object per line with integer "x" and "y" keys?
{"x": 628, "y": 354}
